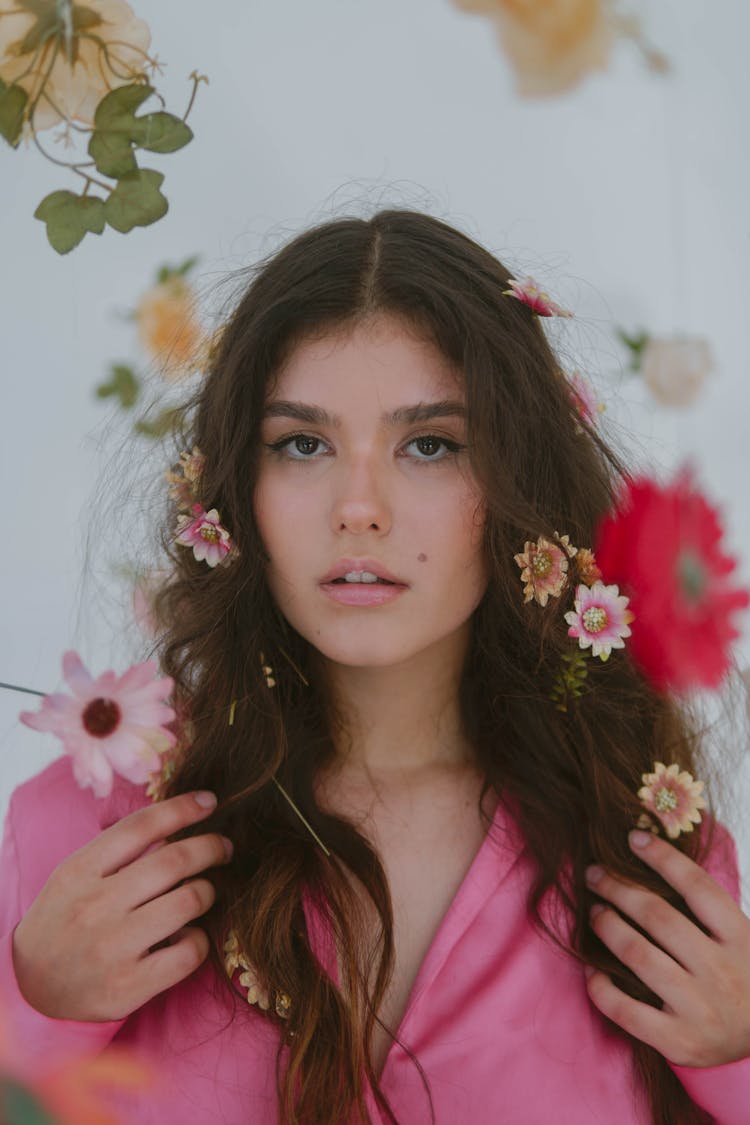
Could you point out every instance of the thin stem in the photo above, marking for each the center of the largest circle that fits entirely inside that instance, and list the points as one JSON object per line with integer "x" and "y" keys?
{"x": 197, "y": 79}
{"x": 27, "y": 690}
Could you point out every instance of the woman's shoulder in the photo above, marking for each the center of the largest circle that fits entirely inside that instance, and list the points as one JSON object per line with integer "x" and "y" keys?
{"x": 50, "y": 816}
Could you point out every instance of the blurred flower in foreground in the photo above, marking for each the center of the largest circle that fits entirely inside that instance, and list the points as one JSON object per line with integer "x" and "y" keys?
{"x": 69, "y": 1093}
{"x": 662, "y": 545}
{"x": 76, "y": 52}
{"x": 553, "y": 46}
{"x": 170, "y": 330}
{"x": 675, "y": 369}
{"x": 109, "y": 724}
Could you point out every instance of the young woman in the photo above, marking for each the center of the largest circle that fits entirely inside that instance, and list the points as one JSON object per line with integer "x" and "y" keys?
{"x": 363, "y": 685}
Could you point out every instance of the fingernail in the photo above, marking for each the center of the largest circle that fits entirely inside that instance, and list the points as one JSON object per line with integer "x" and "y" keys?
{"x": 597, "y": 909}
{"x": 205, "y": 799}
{"x": 589, "y": 970}
{"x": 639, "y": 839}
{"x": 228, "y": 846}
{"x": 594, "y": 874}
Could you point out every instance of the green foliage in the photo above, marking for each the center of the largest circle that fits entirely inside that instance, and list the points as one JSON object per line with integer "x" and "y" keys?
{"x": 162, "y": 424}
{"x": 123, "y": 383}
{"x": 136, "y": 201}
{"x": 69, "y": 217}
{"x": 571, "y": 679}
{"x": 19, "y": 1107}
{"x": 166, "y": 272}
{"x": 13, "y": 100}
{"x": 117, "y": 131}
{"x": 635, "y": 345}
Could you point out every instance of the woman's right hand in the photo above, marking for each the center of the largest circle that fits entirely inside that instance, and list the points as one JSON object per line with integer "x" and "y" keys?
{"x": 83, "y": 950}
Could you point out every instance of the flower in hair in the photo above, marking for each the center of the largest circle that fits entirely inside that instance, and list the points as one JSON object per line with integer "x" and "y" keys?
{"x": 204, "y": 533}
{"x": 184, "y": 488}
{"x": 601, "y": 619}
{"x": 673, "y": 797}
{"x": 584, "y": 398}
{"x": 234, "y": 958}
{"x": 530, "y": 294}
{"x": 588, "y": 571}
{"x": 544, "y": 568}
{"x": 111, "y": 724}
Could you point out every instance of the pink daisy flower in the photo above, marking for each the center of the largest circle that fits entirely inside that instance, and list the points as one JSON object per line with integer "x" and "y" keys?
{"x": 203, "y": 532}
{"x": 600, "y": 619}
{"x": 111, "y": 724}
{"x": 544, "y": 568}
{"x": 530, "y": 294}
{"x": 673, "y": 797}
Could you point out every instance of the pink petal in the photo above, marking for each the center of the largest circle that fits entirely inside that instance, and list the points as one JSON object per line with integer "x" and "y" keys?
{"x": 138, "y": 676}
{"x": 90, "y": 768}
{"x": 76, "y": 675}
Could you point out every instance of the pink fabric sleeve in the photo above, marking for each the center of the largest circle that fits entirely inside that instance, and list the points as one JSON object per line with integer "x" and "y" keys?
{"x": 724, "y": 1091}
{"x": 32, "y": 1036}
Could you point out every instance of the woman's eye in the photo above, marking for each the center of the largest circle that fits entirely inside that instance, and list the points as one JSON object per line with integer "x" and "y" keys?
{"x": 304, "y": 444}
{"x": 429, "y": 443}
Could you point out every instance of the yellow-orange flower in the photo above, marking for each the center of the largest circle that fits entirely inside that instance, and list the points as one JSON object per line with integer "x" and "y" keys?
{"x": 552, "y": 46}
{"x": 169, "y": 328}
{"x": 102, "y": 45}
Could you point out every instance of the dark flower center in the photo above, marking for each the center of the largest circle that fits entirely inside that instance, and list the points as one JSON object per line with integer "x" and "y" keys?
{"x": 691, "y": 575}
{"x": 101, "y": 717}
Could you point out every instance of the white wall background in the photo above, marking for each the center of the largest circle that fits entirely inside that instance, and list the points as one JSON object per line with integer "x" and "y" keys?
{"x": 628, "y": 198}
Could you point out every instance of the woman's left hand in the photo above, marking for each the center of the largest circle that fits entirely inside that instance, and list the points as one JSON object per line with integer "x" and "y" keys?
{"x": 703, "y": 980}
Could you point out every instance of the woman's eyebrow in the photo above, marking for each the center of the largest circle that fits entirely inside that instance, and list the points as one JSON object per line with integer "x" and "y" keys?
{"x": 403, "y": 415}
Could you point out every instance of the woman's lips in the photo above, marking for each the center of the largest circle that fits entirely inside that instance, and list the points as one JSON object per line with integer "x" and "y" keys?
{"x": 362, "y": 593}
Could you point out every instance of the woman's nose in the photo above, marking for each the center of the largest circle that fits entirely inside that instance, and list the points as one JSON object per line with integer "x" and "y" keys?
{"x": 360, "y": 503}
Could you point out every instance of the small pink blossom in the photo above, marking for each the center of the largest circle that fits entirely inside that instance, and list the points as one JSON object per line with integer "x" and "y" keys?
{"x": 111, "y": 724}
{"x": 584, "y": 398}
{"x": 600, "y": 619}
{"x": 203, "y": 532}
{"x": 530, "y": 294}
{"x": 673, "y": 797}
{"x": 544, "y": 568}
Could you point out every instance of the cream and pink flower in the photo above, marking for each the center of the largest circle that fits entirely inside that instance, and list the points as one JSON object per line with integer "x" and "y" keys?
{"x": 544, "y": 568}
{"x": 77, "y": 56}
{"x": 530, "y": 294}
{"x": 601, "y": 619}
{"x": 671, "y": 795}
{"x": 109, "y": 724}
{"x": 204, "y": 533}
{"x": 170, "y": 329}
{"x": 588, "y": 571}
{"x": 183, "y": 488}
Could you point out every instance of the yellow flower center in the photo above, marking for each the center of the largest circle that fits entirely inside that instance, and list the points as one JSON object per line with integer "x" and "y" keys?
{"x": 666, "y": 800}
{"x": 594, "y": 619}
{"x": 541, "y": 564}
{"x": 209, "y": 533}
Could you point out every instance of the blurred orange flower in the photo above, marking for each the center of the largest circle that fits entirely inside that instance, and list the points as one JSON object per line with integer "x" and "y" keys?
{"x": 88, "y": 50}
{"x": 170, "y": 330}
{"x": 552, "y": 46}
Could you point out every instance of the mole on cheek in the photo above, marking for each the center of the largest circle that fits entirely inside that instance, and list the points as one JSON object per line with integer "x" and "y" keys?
{"x": 422, "y": 557}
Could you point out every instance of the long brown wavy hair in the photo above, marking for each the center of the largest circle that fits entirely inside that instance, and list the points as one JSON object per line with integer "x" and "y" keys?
{"x": 572, "y": 776}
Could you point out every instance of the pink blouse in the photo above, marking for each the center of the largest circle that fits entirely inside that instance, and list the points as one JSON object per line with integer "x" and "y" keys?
{"x": 498, "y": 1016}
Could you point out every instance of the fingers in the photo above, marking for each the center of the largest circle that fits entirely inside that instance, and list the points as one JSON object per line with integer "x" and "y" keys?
{"x": 709, "y": 902}
{"x": 163, "y": 869}
{"x": 641, "y": 1020}
{"x": 657, "y": 969}
{"x": 675, "y": 933}
{"x": 124, "y": 841}
{"x": 168, "y": 966}
{"x": 157, "y": 920}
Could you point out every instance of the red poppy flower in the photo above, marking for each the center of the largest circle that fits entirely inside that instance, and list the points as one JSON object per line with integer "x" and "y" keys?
{"x": 662, "y": 546}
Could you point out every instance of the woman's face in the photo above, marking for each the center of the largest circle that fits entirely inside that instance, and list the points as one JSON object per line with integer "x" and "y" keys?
{"x": 350, "y": 488}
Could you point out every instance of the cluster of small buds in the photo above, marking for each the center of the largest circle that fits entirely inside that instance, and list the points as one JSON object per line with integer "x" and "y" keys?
{"x": 200, "y": 529}
{"x": 600, "y": 619}
{"x": 234, "y": 958}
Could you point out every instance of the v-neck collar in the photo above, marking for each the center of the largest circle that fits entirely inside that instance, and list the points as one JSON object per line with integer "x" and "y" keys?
{"x": 500, "y": 849}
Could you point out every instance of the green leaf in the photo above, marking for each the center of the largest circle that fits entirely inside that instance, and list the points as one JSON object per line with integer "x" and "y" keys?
{"x": 69, "y": 217}
{"x": 165, "y": 272}
{"x": 13, "y": 100}
{"x": 162, "y": 132}
{"x": 18, "y": 1105}
{"x": 136, "y": 201}
{"x": 112, "y": 153}
{"x": 161, "y": 425}
{"x": 635, "y": 345}
{"x": 119, "y": 105}
{"x": 124, "y": 384}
